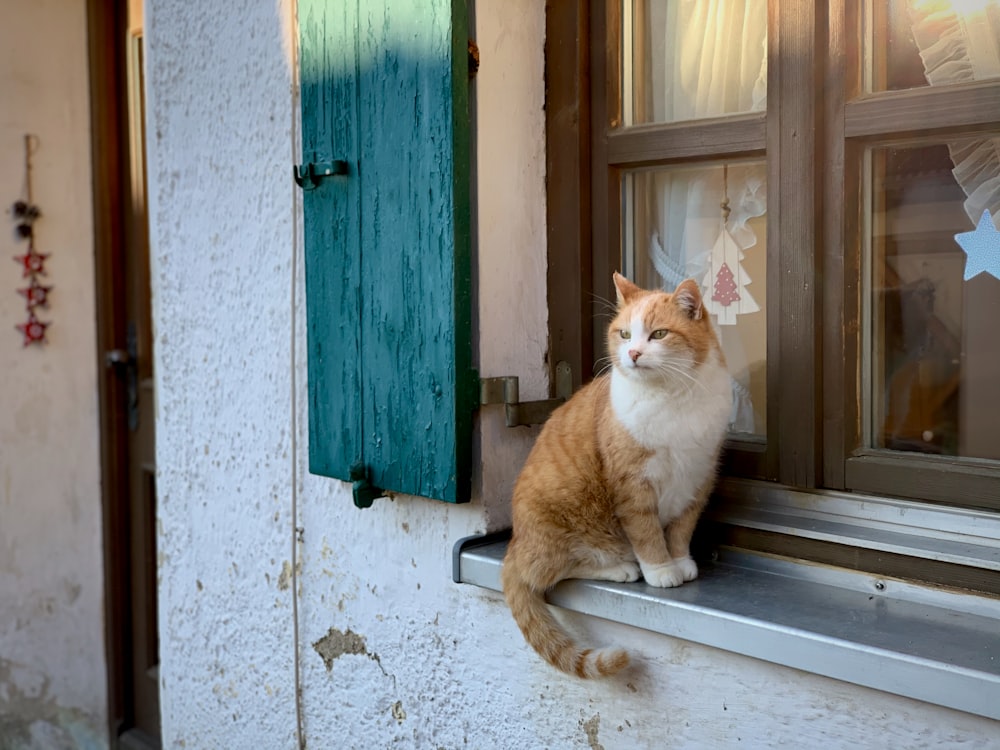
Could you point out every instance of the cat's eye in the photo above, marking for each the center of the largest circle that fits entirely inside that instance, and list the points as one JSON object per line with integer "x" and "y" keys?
{"x": 659, "y": 333}
{"x": 625, "y": 334}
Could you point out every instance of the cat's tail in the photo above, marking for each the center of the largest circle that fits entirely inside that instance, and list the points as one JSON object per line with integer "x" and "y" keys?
{"x": 547, "y": 636}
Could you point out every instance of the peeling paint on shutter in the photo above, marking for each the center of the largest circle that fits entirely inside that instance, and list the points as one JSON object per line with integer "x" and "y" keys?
{"x": 391, "y": 385}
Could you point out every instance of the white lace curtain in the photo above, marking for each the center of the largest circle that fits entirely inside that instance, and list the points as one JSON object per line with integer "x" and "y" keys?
{"x": 709, "y": 57}
{"x": 706, "y": 58}
{"x": 959, "y": 42}
{"x": 698, "y": 59}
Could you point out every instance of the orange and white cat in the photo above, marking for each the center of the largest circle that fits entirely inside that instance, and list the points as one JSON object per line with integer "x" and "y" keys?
{"x": 619, "y": 475}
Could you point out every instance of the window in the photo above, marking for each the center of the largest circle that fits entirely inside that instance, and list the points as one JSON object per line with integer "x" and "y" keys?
{"x": 785, "y": 154}
{"x": 811, "y": 164}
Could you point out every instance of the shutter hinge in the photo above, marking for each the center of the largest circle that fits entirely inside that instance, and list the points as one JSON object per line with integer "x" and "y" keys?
{"x": 365, "y": 492}
{"x": 505, "y": 390}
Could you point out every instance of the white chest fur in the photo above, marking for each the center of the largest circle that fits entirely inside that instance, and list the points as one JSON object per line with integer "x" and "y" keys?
{"x": 683, "y": 426}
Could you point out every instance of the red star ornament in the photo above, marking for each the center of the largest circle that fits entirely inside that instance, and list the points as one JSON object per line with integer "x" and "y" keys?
{"x": 35, "y": 294}
{"x": 33, "y": 330}
{"x": 32, "y": 263}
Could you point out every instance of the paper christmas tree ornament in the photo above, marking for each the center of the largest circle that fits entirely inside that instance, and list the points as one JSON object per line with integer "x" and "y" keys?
{"x": 726, "y": 278}
{"x": 727, "y": 282}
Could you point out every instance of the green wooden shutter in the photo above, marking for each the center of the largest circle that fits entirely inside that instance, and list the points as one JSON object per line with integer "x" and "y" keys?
{"x": 384, "y": 88}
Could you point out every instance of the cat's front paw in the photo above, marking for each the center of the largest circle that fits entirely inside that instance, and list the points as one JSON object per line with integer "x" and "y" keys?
{"x": 667, "y": 575}
{"x": 622, "y": 572}
{"x": 670, "y": 574}
{"x": 687, "y": 567}
{"x": 625, "y": 572}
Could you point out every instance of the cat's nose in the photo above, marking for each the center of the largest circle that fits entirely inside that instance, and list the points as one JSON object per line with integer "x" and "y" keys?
{"x": 634, "y": 354}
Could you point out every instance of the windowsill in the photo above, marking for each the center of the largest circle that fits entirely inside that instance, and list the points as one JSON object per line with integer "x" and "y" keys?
{"x": 932, "y": 645}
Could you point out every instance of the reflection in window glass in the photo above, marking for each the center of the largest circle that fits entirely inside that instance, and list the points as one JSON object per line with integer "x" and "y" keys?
{"x": 934, "y": 365}
{"x": 708, "y": 223}
{"x": 915, "y": 43}
{"x": 690, "y": 59}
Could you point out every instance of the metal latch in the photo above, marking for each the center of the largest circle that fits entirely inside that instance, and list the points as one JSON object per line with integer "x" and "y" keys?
{"x": 314, "y": 173}
{"x": 505, "y": 390}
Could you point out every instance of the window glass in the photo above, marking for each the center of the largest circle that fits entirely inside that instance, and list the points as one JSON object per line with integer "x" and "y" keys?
{"x": 708, "y": 223}
{"x": 933, "y": 311}
{"x": 691, "y": 59}
{"x": 915, "y": 43}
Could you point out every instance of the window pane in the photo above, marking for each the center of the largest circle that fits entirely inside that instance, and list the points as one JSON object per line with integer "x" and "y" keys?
{"x": 933, "y": 310}
{"x": 914, "y": 43}
{"x": 708, "y": 223}
{"x": 690, "y": 59}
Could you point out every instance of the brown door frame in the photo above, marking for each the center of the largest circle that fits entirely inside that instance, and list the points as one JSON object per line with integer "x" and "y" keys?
{"x": 106, "y": 51}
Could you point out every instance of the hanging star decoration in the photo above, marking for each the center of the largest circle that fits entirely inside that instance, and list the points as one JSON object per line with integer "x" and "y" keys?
{"x": 982, "y": 248}
{"x": 33, "y": 263}
{"x": 25, "y": 213}
{"x": 33, "y": 330}
{"x": 35, "y": 294}
{"x": 32, "y": 266}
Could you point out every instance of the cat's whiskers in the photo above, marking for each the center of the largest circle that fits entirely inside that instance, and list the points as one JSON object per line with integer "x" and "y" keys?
{"x": 602, "y": 365}
{"x": 668, "y": 369}
{"x": 608, "y": 305}
{"x": 671, "y": 375}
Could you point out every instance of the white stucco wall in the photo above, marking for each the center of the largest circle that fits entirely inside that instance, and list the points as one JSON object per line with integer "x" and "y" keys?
{"x": 52, "y": 654}
{"x": 390, "y": 652}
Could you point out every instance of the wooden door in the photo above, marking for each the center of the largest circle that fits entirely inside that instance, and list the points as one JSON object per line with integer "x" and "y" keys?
{"x": 127, "y": 398}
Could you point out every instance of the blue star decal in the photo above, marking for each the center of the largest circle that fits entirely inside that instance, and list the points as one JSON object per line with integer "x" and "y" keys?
{"x": 982, "y": 248}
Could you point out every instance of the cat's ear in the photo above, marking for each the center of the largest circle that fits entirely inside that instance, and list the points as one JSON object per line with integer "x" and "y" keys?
{"x": 626, "y": 289}
{"x": 687, "y": 296}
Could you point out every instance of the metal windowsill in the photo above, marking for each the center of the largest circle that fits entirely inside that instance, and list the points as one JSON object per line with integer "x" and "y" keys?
{"x": 939, "y": 647}
{"x": 904, "y": 527}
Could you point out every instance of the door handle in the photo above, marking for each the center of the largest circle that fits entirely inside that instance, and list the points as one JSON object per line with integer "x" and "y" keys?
{"x": 117, "y": 358}
{"x": 124, "y": 363}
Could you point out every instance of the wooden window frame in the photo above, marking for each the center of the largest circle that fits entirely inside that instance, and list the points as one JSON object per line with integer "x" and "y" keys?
{"x": 788, "y": 132}
{"x": 814, "y": 280}
{"x": 860, "y": 120}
